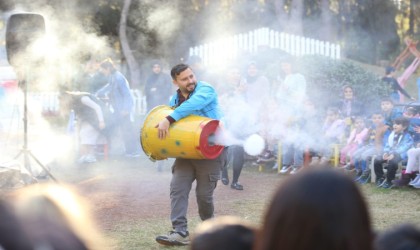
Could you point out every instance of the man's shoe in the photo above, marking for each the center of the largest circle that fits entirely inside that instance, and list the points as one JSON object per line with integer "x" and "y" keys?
{"x": 174, "y": 239}
{"x": 225, "y": 181}
{"x": 237, "y": 186}
{"x": 380, "y": 181}
{"x": 388, "y": 185}
{"x": 285, "y": 169}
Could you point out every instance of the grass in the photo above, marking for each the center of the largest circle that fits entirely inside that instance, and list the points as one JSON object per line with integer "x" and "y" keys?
{"x": 387, "y": 208}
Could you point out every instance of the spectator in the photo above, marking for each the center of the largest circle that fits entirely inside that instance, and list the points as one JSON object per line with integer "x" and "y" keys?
{"x": 158, "y": 87}
{"x": 389, "y": 111}
{"x": 333, "y": 132}
{"x": 401, "y": 237}
{"x": 198, "y": 98}
{"x": 122, "y": 104}
{"x": 223, "y": 233}
{"x": 256, "y": 91}
{"x": 411, "y": 170}
{"x": 94, "y": 80}
{"x": 234, "y": 108}
{"x": 56, "y": 217}
{"x": 395, "y": 151}
{"x": 290, "y": 97}
{"x": 349, "y": 107}
{"x": 292, "y": 91}
{"x": 413, "y": 164}
{"x": 356, "y": 140}
{"x": 316, "y": 209}
{"x": 378, "y": 134}
{"x": 90, "y": 113}
{"x": 393, "y": 86}
{"x": 413, "y": 154}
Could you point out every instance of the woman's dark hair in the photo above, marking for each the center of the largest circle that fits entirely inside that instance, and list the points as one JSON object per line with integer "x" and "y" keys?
{"x": 317, "y": 210}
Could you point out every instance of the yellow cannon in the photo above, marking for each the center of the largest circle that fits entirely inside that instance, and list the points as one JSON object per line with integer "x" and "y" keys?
{"x": 188, "y": 137}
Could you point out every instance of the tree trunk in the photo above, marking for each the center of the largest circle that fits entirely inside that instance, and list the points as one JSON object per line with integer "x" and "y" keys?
{"x": 133, "y": 66}
{"x": 411, "y": 18}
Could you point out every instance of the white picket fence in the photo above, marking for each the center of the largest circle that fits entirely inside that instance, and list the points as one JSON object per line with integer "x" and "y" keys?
{"x": 229, "y": 48}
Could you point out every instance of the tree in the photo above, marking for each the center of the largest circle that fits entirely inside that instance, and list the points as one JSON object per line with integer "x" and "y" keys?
{"x": 128, "y": 54}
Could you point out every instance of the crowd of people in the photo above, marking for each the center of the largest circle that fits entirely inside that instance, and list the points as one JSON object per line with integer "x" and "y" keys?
{"x": 333, "y": 215}
{"x": 246, "y": 104}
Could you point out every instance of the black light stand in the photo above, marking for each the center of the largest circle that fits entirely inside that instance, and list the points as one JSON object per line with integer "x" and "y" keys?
{"x": 22, "y": 31}
{"x": 25, "y": 149}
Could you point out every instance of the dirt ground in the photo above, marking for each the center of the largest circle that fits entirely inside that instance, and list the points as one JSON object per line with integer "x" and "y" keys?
{"x": 128, "y": 194}
{"x": 133, "y": 189}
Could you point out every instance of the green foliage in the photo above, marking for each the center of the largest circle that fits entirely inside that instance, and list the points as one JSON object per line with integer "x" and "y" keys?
{"x": 326, "y": 78}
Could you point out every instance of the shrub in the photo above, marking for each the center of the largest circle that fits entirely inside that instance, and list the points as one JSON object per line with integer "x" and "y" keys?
{"x": 326, "y": 78}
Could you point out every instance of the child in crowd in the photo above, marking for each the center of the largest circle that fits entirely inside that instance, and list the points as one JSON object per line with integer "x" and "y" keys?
{"x": 395, "y": 151}
{"x": 356, "y": 140}
{"x": 413, "y": 154}
{"x": 305, "y": 135}
{"x": 378, "y": 134}
{"x": 333, "y": 131}
{"x": 389, "y": 111}
{"x": 350, "y": 107}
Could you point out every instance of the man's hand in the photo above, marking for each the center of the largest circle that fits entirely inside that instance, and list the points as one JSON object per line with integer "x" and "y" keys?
{"x": 163, "y": 128}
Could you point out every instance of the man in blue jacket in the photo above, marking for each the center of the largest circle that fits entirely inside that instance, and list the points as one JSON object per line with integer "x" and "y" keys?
{"x": 192, "y": 98}
{"x": 122, "y": 103}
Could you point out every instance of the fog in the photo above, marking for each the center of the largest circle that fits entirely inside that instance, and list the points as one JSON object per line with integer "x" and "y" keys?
{"x": 59, "y": 56}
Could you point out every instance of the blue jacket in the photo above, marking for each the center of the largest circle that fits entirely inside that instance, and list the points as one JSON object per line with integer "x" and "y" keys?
{"x": 118, "y": 92}
{"x": 404, "y": 144}
{"x": 202, "y": 102}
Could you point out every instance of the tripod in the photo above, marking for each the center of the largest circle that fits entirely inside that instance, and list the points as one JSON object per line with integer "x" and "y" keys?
{"x": 25, "y": 150}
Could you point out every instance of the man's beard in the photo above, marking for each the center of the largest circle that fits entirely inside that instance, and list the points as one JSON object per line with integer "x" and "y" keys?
{"x": 191, "y": 84}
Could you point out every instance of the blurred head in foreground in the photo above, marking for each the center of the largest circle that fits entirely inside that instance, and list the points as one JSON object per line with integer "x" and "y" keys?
{"x": 12, "y": 234}
{"x": 55, "y": 217}
{"x": 223, "y": 233}
{"x": 317, "y": 209}
{"x": 401, "y": 237}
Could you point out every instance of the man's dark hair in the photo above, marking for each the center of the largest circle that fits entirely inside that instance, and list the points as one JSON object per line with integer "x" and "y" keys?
{"x": 177, "y": 69}
{"x": 402, "y": 120}
{"x": 108, "y": 64}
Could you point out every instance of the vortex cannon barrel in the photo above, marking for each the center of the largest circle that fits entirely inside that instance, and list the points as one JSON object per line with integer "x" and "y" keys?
{"x": 191, "y": 137}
